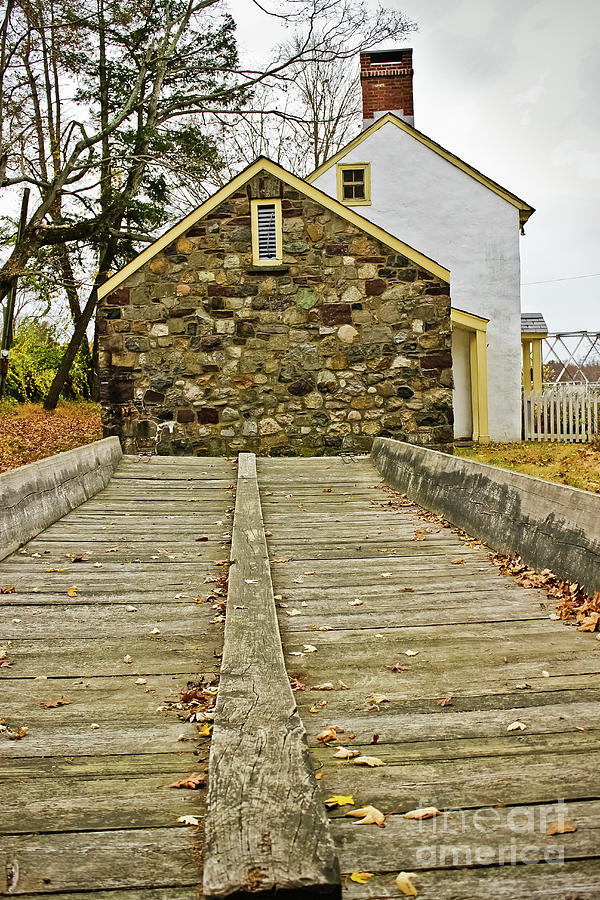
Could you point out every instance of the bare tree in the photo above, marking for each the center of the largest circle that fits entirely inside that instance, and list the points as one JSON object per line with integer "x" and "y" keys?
{"x": 108, "y": 108}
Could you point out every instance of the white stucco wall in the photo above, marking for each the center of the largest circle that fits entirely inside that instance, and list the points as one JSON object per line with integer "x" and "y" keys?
{"x": 440, "y": 210}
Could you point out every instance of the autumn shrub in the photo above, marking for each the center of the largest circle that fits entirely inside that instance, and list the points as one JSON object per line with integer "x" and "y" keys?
{"x": 34, "y": 358}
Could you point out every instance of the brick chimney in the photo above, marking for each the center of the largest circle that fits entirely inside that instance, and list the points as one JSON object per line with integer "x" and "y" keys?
{"x": 386, "y": 78}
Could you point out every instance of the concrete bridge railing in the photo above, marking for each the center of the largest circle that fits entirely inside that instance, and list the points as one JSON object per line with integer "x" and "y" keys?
{"x": 550, "y": 525}
{"x": 35, "y": 496}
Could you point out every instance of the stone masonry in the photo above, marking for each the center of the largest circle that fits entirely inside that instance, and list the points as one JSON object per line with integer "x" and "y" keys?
{"x": 203, "y": 353}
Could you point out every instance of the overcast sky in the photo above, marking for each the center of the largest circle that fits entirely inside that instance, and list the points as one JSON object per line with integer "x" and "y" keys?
{"x": 513, "y": 88}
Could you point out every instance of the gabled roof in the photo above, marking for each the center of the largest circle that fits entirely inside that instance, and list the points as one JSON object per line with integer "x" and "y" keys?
{"x": 525, "y": 210}
{"x": 262, "y": 164}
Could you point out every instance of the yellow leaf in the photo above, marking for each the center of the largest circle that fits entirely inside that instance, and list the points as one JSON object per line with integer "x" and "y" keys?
{"x": 340, "y": 800}
{"x": 361, "y": 877}
{"x": 426, "y": 812}
{"x": 72, "y": 592}
{"x": 368, "y": 761}
{"x": 403, "y": 883}
{"x": 368, "y": 815}
{"x": 206, "y": 729}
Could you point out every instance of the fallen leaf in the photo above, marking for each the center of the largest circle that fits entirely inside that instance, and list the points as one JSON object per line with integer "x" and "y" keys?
{"x": 310, "y": 648}
{"x": 398, "y": 667}
{"x": 386, "y": 574}
{"x": 140, "y": 681}
{"x": 8, "y": 589}
{"x": 192, "y": 782}
{"x": 411, "y": 652}
{"x": 445, "y": 701}
{"x": 318, "y": 776}
{"x": 112, "y": 550}
{"x": 340, "y": 800}
{"x": 131, "y": 608}
{"x": 188, "y": 820}
{"x": 368, "y": 815}
{"x": 419, "y": 535}
{"x": 97, "y": 565}
{"x": 293, "y": 612}
{"x": 127, "y": 659}
{"x": 330, "y": 686}
{"x": 425, "y": 812}
{"x": 205, "y": 730}
{"x": 72, "y": 592}
{"x": 345, "y": 753}
{"x": 94, "y": 725}
{"x": 155, "y": 631}
{"x": 355, "y": 602}
{"x": 329, "y": 734}
{"x": 560, "y": 828}
{"x": 361, "y": 877}
{"x": 517, "y": 726}
{"x": 456, "y": 562}
{"x": 403, "y": 883}
{"x": 53, "y": 704}
{"x": 378, "y": 698}
{"x": 328, "y": 491}
{"x": 201, "y": 540}
{"x": 371, "y": 761}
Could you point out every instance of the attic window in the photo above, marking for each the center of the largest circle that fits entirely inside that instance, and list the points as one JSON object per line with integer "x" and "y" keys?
{"x": 354, "y": 184}
{"x": 266, "y": 232}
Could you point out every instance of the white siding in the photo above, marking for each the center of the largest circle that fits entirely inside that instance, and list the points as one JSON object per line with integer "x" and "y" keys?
{"x": 446, "y": 214}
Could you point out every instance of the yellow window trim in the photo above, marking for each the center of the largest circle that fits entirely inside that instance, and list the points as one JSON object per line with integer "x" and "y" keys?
{"x": 254, "y": 205}
{"x": 476, "y": 326}
{"x": 340, "y": 169}
{"x": 262, "y": 164}
{"x": 525, "y": 210}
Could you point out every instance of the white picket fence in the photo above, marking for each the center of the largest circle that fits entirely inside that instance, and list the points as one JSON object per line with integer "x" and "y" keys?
{"x": 562, "y": 412}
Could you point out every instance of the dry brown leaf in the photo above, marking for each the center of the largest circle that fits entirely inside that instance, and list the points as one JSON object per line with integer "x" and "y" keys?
{"x": 398, "y": 667}
{"x": 8, "y": 589}
{"x": 445, "y": 701}
{"x": 53, "y": 704}
{"x": 403, "y": 883}
{"x": 425, "y": 812}
{"x": 560, "y": 828}
{"x": 456, "y": 562}
{"x": 192, "y": 782}
{"x": 368, "y": 815}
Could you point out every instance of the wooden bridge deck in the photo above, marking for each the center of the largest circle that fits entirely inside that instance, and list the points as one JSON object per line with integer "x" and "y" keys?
{"x": 482, "y": 641}
{"x": 88, "y": 809}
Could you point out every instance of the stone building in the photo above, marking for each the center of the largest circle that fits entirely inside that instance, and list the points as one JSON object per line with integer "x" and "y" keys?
{"x": 275, "y": 319}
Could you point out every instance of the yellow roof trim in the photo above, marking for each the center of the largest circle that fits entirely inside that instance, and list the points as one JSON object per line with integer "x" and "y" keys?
{"x": 525, "y": 210}
{"x": 262, "y": 164}
{"x": 468, "y": 320}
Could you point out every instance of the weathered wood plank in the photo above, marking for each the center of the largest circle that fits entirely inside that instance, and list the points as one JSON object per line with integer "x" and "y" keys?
{"x": 153, "y": 857}
{"x": 266, "y": 827}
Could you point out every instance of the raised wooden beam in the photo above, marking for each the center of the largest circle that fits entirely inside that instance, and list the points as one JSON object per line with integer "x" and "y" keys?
{"x": 266, "y": 827}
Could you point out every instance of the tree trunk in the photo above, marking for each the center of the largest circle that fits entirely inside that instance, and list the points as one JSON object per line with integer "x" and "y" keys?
{"x": 71, "y": 351}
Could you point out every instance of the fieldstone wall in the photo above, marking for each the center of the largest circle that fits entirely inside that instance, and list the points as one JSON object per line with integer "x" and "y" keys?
{"x": 203, "y": 353}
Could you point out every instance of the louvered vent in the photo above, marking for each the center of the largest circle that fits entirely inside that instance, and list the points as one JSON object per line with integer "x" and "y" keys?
{"x": 267, "y": 232}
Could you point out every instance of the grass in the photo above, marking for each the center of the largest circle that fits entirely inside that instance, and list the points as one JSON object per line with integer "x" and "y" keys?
{"x": 29, "y": 433}
{"x": 577, "y": 465}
